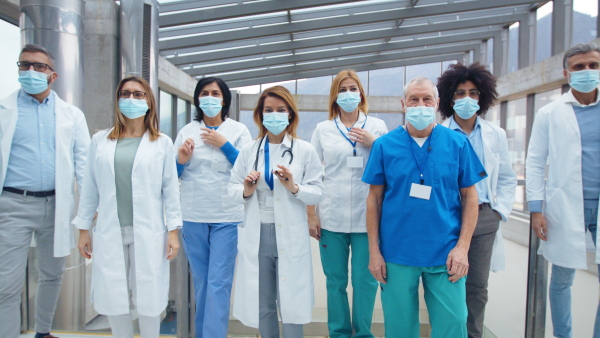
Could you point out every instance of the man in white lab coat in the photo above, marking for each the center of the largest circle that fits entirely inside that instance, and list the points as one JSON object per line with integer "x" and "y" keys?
{"x": 43, "y": 146}
{"x": 565, "y": 206}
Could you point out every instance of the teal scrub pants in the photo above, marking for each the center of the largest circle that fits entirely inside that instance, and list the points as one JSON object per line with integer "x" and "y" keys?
{"x": 445, "y": 300}
{"x": 335, "y": 249}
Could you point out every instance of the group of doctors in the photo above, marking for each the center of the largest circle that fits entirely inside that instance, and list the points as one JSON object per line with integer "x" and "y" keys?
{"x": 421, "y": 202}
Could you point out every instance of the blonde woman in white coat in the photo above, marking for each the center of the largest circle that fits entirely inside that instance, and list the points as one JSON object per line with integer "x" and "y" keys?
{"x": 275, "y": 177}
{"x": 131, "y": 180}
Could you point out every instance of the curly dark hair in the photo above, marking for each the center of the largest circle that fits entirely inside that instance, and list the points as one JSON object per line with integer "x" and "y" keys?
{"x": 457, "y": 74}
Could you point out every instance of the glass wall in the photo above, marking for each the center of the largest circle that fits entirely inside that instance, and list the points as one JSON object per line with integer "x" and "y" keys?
{"x": 584, "y": 21}
{"x": 174, "y": 113}
{"x": 543, "y": 40}
{"x": 513, "y": 47}
{"x": 386, "y": 82}
{"x": 10, "y": 40}
{"x": 516, "y": 136}
{"x": 182, "y": 113}
{"x": 542, "y": 99}
{"x": 166, "y": 113}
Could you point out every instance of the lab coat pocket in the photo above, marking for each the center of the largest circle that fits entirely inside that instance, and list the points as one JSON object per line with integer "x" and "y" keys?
{"x": 299, "y": 240}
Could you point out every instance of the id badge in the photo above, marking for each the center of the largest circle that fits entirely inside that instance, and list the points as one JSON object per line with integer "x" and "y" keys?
{"x": 269, "y": 202}
{"x": 218, "y": 166}
{"x": 354, "y": 161}
{"x": 420, "y": 191}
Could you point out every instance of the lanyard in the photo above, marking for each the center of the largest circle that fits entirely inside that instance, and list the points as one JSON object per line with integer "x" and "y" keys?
{"x": 346, "y": 137}
{"x": 268, "y": 173}
{"x": 415, "y": 149}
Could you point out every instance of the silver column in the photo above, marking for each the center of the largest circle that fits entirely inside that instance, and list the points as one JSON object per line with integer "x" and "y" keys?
{"x": 58, "y": 26}
{"x": 139, "y": 40}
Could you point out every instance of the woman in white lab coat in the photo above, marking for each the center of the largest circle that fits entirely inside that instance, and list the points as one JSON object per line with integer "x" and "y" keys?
{"x": 343, "y": 143}
{"x": 275, "y": 177}
{"x": 131, "y": 181}
{"x": 207, "y": 149}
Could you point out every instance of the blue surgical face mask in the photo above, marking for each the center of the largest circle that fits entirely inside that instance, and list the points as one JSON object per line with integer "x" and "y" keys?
{"x": 275, "y": 122}
{"x": 210, "y": 105}
{"x": 466, "y": 107}
{"x": 420, "y": 117}
{"x": 133, "y": 108}
{"x": 348, "y": 101}
{"x": 33, "y": 82}
{"x": 584, "y": 81}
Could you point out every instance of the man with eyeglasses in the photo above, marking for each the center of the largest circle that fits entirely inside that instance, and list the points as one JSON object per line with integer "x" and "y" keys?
{"x": 563, "y": 179}
{"x": 43, "y": 147}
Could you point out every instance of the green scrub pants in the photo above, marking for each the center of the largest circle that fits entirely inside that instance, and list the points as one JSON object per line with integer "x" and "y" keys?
{"x": 445, "y": 302}
{"x": 335, "y": 249}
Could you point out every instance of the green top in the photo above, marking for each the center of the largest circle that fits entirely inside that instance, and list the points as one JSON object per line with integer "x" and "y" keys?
{"x": 124, "y": 157}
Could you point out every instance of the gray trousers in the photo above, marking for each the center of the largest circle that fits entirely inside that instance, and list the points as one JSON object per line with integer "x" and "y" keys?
{"x": 20, "y": 218}
{"x": 268, "y": 286}
{"x": 480, "y": 256}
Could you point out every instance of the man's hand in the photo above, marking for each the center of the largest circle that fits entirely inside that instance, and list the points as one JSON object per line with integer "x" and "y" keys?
{"x": 538, "y": 223}
{"x": 457, "y": 263}
{"x": 172, "y": 244}
{"x": 377, "y": 267}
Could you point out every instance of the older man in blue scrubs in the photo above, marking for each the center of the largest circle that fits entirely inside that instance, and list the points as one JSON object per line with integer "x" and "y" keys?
{"x": 421, "y": 213}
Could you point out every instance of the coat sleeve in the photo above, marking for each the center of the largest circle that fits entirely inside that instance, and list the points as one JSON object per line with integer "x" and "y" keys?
{"x": 170, "y": 188}
{"x": 507, "y": 180}
{"x": 315, "y": 140}
{"x": 89, "y": 196}
{"x": 80, "y": 147}
{"x": 239, "y": 172}
{"x": 311, "y": 189}
{"x": 537, "y": 155}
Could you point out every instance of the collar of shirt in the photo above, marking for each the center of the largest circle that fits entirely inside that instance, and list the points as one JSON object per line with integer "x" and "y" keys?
{"x": 454, "y": 126}
{"x": 570, "y": 98}
{"x": 358, "y": 123}
{"x": 30, "y": 100}
{"x": 287, "y": 141}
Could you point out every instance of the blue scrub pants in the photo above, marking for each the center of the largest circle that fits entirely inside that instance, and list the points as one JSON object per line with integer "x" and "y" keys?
{"x": 445, "y": 300}
{"x": 211, "y": 249}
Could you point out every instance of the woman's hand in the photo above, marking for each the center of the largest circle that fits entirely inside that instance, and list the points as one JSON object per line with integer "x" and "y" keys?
{"x": 185, "y": 151}
{"x": 172, "y": 244}
{"x": 314, "y": 227}
{"x": 85, "y": 244}
{"x": 362, "y": 136}
{"x": 286, "y": 178}
{"x": 250, "y": 183}
{"x": 213, "y": 138}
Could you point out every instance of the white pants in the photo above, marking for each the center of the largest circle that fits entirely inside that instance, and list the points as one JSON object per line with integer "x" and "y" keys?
{"x": 122, "y": 325}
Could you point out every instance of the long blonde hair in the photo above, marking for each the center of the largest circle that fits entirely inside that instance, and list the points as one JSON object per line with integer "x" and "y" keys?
{"x": 283, "y": 94}
{"x": 151, "y": 118}
{"x": 334, "y": 108}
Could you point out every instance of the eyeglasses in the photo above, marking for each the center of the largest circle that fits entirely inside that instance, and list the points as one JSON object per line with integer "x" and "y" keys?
{"x": 38, "y": 66}
{"x": 125, "y": 94}
{"x": 461, "y": 93}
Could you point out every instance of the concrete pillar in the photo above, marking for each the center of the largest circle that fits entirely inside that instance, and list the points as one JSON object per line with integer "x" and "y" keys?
{"x": 501, "y": 53}
{"x": 483, "y": 55}
{"x": 527, "y": 28}
{"x": 562, "y": 25}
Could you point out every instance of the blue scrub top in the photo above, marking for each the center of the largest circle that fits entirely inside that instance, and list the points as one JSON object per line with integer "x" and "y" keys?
{"x": 414, "y": 231}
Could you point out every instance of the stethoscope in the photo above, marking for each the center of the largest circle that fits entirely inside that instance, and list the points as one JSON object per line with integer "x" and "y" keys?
{"x": 287, "y": 151}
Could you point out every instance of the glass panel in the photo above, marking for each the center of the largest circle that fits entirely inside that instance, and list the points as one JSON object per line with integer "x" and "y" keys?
{"x": 364, "y": 80}
{"x": 165, "y": 112}
{"x": 515, "y": 134}
{"x": 490, "y": 49}
{"x": 386, "y": 82}
{"x": 246, "y": 118}
{"x": 429, "y": 70}
{"x": 447, "y": 64}
{"x": 290, "y": 85}
{"x": 584, "y": 21}
{"x": 542, "y": 99}
{"x": 248, "y": 89}
{"x": 513, "y": 48}
{"x": 10, "y": 40}
{"x": 392, "y": 120}
{"x": 543, "y": 37}
{"x": 315, "y": 86}
{"x": 493, "y": 115}
{"x": 181, "y": 113}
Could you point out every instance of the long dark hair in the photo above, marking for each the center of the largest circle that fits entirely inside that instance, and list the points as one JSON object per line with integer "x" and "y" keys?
{"x": 224, "y": 90}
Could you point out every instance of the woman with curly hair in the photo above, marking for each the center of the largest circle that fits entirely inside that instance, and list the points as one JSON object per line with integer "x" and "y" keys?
{"x": 466, "y": 92}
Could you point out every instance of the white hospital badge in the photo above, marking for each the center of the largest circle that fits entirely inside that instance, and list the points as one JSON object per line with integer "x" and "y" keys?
{"x": 218, "y": 166}
{"x": 420, "y": 191}
{"x": 354, "y": 162}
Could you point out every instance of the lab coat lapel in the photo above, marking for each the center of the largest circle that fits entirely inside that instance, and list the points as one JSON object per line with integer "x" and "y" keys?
{"x": 141, "y": 152}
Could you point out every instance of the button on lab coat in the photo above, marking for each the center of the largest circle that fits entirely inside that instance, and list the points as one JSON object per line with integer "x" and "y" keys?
{"x": 291, "y": 229}
{"x": 155, "y": 198}
{"x": 556, "y": 140}
{"x": 204, "y": 197}
{"x": 72, "y": 141}
{"x": 344, "y": 207}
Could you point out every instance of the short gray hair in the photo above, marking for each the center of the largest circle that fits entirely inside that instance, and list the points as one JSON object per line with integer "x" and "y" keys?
{"x": 581, "y": 48}
{"x": 33, "y": 48}
{"x": 418, "y": 80}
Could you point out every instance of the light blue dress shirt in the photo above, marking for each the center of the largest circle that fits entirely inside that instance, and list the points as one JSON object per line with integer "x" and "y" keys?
{"x": 32, "y": 153}
{"x": 477, "y": 143}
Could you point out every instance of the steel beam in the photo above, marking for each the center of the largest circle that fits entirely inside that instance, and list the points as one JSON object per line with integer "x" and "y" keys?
{"x": 562, "y": 25}
{"x": 527, "y": 40}
{"x": 332, "y": 71}
{"x": 338, "y": 53}
{"x": 326, "y": 23}
{"x": 345, "y": 38}
{"x": 10, "y": 11}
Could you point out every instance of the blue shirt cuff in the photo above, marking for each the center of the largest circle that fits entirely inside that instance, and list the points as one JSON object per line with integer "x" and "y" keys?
{"x": 230, "y": 152}
{"x": 535, "y": 206}
{"x": 180, "y": 168}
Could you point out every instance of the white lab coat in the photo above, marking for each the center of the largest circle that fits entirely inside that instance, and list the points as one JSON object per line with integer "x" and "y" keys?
{"x": 72, "y": 139}
{"x": 501, "y": 181}
{"x": 204, "y": 181}
{"x": 155, "y": 198}
{"x": 344, "y": 207}
{"x": 291, "y": 228}
{"x": 556, "y": 140}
